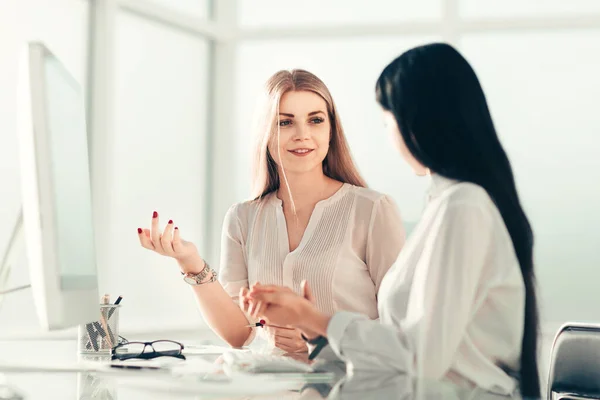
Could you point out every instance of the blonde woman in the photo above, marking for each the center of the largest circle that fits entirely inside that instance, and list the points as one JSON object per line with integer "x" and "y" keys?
{"x": 311, "y": 218}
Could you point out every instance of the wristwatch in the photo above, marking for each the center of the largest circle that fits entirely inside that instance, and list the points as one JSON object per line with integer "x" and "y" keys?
{"x": 319, "y": 342}
{"x": 196, "y": 279}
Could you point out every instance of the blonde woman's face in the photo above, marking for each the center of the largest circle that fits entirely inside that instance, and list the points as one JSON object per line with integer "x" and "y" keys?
{"x": 394, "y": 132}
{"x": 304, "y": 130}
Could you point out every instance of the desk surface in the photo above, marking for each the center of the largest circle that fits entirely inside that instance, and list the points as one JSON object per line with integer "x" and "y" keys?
{"x": 115, "y": 384}
{"x": 141, "y": 385}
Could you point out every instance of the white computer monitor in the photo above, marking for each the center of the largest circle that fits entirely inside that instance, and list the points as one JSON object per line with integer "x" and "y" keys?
{"x": 56, "y": 195}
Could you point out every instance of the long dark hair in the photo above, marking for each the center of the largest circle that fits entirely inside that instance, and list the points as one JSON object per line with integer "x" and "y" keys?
{"x": 443, "y": 117}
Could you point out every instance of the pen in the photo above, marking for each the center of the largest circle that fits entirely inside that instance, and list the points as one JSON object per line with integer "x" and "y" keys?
{"x": 257, "y": 324}
{"x": 133, "y": 366}
{"x": 110, "y": 313}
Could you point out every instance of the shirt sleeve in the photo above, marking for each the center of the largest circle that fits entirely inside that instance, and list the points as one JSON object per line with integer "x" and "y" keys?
{"x": 385, "y": 239}
{"x": 440, "y": 303}
{"x": 233, "y": 273}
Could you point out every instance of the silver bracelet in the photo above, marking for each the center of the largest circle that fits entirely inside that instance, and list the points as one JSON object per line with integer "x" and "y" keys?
{"x": 196, "y": 279}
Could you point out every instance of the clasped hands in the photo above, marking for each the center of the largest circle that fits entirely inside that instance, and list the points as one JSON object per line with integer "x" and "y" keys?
{"x": 288, "y": 315}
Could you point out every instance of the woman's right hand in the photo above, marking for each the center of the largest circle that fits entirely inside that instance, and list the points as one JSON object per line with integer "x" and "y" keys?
{"x": 169, "y": 243}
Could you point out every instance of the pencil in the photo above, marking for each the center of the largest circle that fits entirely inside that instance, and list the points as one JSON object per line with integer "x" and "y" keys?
{"x": 105, "y": 300}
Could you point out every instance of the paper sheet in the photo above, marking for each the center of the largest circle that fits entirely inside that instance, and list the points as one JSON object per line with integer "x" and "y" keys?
{"x": 190, "y": 349}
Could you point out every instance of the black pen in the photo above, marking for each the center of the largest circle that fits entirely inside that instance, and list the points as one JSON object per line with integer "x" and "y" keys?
{"x": 257, "y": 324}
{"x": 133, "y": 366}
{"x": 112, "y": 310}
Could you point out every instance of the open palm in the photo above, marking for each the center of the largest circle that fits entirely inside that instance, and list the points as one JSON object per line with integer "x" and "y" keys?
{"x": 168, "y": 242}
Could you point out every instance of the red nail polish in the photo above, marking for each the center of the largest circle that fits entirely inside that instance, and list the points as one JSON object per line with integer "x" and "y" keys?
{"x": 176, "y": 228}
{"x": 155, "y": 214}
{"x": 170, "y": 221}
{"x": 263, "y": 322}
{"x": 139, "y": 230}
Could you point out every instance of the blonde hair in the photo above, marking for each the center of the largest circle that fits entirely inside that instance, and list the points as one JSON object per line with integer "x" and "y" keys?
{"x": 338, "y": 163}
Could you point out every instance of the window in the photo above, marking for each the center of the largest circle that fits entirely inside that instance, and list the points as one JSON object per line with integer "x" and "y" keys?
{"x": 543, "y": 92}
{"x": 527, "y": 8}
{"x": 286, "y": 13}
{"x": 193, "y": 8}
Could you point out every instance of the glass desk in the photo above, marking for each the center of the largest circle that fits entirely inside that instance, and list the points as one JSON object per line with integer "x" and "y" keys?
{"x": 151, "y": 384}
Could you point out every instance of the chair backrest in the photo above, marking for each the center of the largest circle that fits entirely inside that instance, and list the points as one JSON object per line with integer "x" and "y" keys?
{"x": 575, "y": 362}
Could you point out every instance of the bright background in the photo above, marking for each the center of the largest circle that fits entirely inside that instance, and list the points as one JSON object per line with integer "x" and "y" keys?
{"x": 171, "y": 88}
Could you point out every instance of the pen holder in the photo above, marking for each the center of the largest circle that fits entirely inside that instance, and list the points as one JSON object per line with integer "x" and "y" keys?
{"x": 99, "y": 337}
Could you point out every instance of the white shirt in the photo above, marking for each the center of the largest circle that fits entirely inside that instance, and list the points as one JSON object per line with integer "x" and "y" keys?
{"x": 452, "y": 306}
{"x": 351, "y": 241}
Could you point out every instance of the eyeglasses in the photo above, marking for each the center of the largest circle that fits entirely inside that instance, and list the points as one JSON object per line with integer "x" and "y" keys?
{"x": 158, "y": 348}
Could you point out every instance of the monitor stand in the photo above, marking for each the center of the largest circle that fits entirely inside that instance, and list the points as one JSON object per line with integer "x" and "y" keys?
{"x": 13, "y": 249}
{"x": 15, "y": 244}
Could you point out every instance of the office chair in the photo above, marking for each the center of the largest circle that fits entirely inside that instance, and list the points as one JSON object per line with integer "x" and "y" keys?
{"x": 575, "y": 363}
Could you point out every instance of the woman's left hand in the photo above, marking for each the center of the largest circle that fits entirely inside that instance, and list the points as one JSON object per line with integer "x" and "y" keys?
{"x": 286, "y": 338}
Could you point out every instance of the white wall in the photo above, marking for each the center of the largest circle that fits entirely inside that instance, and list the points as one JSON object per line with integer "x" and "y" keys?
{"x": 21, "y": 21}
{"x": 159, "y": 163}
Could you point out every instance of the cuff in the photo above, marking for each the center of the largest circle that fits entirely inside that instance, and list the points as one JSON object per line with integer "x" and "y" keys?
{"x": 337, "y": 328}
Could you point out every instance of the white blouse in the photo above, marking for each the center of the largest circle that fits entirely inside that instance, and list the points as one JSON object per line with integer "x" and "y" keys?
{"x": 351, "y": 241}
{"x": 452, "y": 306}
